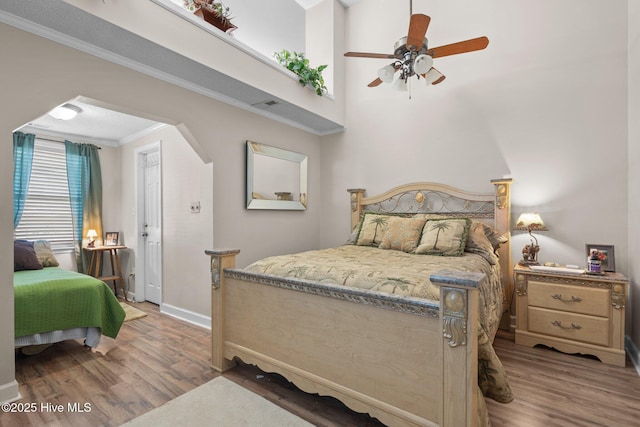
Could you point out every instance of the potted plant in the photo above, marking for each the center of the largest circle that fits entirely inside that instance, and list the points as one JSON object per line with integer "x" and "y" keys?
{"x": 212, "y": 11}
{"x": 297, "y": 63}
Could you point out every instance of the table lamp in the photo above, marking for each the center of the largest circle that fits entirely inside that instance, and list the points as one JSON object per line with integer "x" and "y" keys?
{"x": 91, "y": 234}
{"x": 530, "y": 221}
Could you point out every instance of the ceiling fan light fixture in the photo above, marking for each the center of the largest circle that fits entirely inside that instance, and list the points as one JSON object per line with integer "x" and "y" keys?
{"x": 422, "y": 64}
{"x": 432, "y": 76}
{"x": 400, "y": 85}
{"x": 65, "y": 112}
{"x": 386, "y": 73}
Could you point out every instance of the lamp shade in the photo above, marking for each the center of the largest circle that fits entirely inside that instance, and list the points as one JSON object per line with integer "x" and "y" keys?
{"x": 92, "y": 234}
{"x": 530, "y": 221}
{"x": 422, "y": 64}
{"x": 400, "y": 84}
{"x": 386, "y": 73}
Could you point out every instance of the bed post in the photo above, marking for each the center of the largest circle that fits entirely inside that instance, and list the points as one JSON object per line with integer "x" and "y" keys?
{"x": 220, "y": 259}
{"x": 356, "y": 205}
{"x": 503, "y": 225}
{"x": 459, "y": 323}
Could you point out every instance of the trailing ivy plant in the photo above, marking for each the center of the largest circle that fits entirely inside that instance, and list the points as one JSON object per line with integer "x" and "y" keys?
{"x": 297, "y": 63}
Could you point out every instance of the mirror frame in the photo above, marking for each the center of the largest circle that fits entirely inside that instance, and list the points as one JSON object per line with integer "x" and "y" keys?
{"x": 256, "y": 148}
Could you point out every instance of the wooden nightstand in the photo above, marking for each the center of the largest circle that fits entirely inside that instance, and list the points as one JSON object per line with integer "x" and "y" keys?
{"x": 572, "y": 313}
{"x": 116, "y": 272}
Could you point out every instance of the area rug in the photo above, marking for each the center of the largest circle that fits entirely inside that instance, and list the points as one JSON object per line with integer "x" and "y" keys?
{"x": 220, "y": 402}
{"x": 131, "y": 313}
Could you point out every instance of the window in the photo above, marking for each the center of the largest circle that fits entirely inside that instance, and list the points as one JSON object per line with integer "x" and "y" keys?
{"x": 47, "y": 211}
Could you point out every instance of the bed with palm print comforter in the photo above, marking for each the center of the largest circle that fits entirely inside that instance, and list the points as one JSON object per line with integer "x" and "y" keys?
{"x": 404, "y": 274}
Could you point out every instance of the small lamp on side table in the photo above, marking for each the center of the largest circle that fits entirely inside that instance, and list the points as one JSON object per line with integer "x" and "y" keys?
{"x": 530, "y": 221}
{"x": 92, "y": 234}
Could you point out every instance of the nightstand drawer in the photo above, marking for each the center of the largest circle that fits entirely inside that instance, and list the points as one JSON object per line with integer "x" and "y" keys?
{"x": 575, "y": 327}
{"x": 575, "y": 299}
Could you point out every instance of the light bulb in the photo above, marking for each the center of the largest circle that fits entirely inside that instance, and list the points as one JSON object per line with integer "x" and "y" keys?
{"x": 422, "y": 64}
{"x": 65, "y": 112}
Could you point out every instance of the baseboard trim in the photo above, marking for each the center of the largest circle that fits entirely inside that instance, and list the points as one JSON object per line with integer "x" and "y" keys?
{"x": 633, "y": 353}
{"x": 10, "y": 392}
{"x": 186, "y": 315}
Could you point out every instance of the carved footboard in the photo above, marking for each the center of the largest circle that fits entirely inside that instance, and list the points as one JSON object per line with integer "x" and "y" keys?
{"x": 405, "y": 361}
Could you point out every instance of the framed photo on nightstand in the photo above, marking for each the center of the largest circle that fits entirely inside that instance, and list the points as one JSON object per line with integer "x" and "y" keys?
{"x": 111, "y": 238}
{"x": 607, "y": 256}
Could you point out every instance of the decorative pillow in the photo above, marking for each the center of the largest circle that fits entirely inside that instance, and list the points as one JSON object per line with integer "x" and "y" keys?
{"x": 402, "y": 234}
{"x": 353, "y": 237}
{"x": 492, "y": 234}
{"x": 446, "y": 237}
{"x": 478, "y": 243}
{"x": 45, "y": 253}
{"x": 372, "y": 229}
{"x": 24, "y": 256}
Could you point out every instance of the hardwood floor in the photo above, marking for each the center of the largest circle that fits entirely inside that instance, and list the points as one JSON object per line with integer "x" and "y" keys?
{"x": 158, "y": 358}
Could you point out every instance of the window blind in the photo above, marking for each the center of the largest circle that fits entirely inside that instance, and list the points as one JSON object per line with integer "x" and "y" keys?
{"x": 47, "y": 211}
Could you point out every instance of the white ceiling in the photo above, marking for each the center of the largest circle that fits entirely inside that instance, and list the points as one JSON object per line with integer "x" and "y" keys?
{"x": 93, "y": 124}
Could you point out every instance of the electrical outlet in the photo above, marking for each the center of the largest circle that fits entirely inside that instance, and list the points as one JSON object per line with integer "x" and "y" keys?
{"x": 195, "y": 207}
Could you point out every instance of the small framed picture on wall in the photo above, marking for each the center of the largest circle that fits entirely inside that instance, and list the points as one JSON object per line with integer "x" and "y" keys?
{"x": 111, "y": 238}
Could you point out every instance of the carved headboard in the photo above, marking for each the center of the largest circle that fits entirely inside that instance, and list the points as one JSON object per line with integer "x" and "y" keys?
{"x": 433, "y": 198}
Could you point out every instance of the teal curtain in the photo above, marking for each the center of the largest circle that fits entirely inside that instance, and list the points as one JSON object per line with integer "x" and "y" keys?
{"x": 22, "y": 161}
{"x": 85, "y": 193}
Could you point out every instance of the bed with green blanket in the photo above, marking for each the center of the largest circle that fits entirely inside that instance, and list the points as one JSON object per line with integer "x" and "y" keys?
{"x": 53, "y": 304}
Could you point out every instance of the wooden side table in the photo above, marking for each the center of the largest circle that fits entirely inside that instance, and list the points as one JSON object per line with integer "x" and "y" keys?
{"x": 572, "y": 313}
{"x": 95, "y": 263}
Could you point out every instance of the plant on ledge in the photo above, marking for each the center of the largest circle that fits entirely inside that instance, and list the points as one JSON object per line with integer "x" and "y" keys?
{"x": 213, "y": 11}
{"x": 297, "y": 63}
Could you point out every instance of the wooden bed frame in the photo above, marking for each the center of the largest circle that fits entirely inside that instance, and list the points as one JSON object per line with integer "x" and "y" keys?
{"x": 405, "y": 361}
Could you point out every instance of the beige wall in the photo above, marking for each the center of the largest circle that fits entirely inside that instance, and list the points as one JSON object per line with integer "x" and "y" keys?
{"x": 154, "y": 23}
{"x": 185, "y": 236}
{"x": 546, "y": 104}
{"x": 633, "y": 315}
{"x": 29, "y": 90}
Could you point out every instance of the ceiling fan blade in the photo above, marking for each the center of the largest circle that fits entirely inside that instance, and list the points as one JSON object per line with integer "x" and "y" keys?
{"x": 460, "y": 47}
{"x": 417, "y": 30}
{"x": 370, "y": 55}
{"x": 433, "y": 76}
{"x": 442, "y": 77}
{"x": 375, "y": 83}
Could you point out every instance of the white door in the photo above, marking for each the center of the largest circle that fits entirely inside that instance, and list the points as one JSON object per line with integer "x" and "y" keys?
{"x": 150, "y": 225}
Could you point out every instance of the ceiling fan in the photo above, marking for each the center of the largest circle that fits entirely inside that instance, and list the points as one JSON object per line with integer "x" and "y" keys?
{"x": 413, "y": 57}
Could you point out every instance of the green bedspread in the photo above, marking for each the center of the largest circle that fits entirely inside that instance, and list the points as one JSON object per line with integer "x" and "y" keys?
{"x": 55, "y": 299}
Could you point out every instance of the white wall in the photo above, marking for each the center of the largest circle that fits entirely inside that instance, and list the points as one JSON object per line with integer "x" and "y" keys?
{"x": 267, "y": 27}
{"x": 545, "y": 103}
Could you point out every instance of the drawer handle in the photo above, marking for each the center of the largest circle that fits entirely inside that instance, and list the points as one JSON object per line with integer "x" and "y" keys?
{"x": 559, "y": 298}
{"x": 559, "y": 324}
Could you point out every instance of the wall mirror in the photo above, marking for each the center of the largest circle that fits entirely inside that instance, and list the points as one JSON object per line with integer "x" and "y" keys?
{"x": 276, "y": 178}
